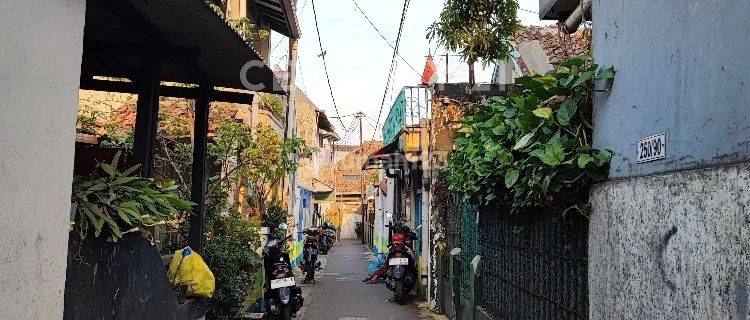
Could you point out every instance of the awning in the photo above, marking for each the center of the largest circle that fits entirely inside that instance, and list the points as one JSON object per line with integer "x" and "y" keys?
{"x": 391, "y": 156}
{"x": 195, "y": 45}
{"x": 280, "y": 16}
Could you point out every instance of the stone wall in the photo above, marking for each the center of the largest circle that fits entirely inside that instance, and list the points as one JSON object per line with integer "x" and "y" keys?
{"x": 673, "y": 246}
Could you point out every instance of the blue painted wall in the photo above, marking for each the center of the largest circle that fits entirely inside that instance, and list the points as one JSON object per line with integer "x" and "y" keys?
{"x": 682, "y": 68}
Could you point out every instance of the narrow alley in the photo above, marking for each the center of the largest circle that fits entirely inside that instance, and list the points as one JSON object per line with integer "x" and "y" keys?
{"x": 339, "y": 292}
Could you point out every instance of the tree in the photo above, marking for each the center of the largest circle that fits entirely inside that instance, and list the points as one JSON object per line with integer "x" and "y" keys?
{"x": 478, "y": 29}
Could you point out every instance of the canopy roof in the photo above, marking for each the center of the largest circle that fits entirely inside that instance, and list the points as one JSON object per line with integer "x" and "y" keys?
{"x": 280, "y": 16}
{"x": 195, "y": 45}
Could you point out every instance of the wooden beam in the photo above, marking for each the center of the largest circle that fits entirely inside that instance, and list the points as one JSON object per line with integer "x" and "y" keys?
{"x": 110, "y": 49}
{"x": 167, "y": 91}
{"x": 147, "y": 113}
{"x": 198, "y": 184}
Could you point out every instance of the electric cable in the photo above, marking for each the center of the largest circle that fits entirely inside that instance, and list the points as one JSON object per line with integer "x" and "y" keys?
{"x": 325, "y": 65}
{"x": 393, "y": 63}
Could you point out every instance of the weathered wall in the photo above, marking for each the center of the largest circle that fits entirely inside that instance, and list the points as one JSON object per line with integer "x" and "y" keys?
{"x": 680, "y": 71}
{"x": 673, "y": 246}
{"x": 41, "y": 43}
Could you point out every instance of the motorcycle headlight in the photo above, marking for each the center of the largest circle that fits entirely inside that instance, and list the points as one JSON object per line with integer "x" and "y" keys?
{"x": 284, "y": 294}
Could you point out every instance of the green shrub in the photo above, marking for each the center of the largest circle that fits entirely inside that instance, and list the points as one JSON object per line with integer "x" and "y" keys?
{"x": 118, "y": 202}
{"x": 235, "y": 265}
{"x": 275, "y": 214}
{"x": 358, "y": 229}
{"x": 533, "y": 148}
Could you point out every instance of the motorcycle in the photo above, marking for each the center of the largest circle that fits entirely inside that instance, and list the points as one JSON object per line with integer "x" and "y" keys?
{"x": 282, "y": 295}
{"x": 402, "y": 266}
{"x": 310, "y": 254}
{"x": 326, "y": 239}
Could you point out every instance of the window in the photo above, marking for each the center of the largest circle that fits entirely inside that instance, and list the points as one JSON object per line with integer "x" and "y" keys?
{"x": 352, "y": 176}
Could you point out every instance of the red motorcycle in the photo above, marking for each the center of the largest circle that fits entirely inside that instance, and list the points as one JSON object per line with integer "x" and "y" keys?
{"x": 402, "y": 266}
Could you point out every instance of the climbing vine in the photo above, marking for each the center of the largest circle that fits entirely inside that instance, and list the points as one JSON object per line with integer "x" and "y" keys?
{"x": 533, "y": 148}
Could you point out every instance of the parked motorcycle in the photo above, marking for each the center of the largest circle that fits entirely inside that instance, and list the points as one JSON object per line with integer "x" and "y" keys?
{"x": 310, "y": 253}
{"x": 283, "y": 297}
{"x": 327, "y": 237}
{"x": 402, "y": 266}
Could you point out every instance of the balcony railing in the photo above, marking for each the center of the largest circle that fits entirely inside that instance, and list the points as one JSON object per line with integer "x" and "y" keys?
{"x": 412, "y": 105}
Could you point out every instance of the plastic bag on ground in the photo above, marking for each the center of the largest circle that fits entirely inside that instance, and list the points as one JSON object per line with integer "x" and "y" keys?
{"x": 188, "y": 268}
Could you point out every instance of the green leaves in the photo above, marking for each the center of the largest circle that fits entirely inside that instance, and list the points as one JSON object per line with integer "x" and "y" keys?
{"x": 511, "y": 176}
{"x": 116, "y": 202}
{"x": 524, "y": 141}
{"x": 478, "y": 30}
{"x": 532, "y": 148}
{"x": 545, "y": 112}
{"x": 567, "y": 111}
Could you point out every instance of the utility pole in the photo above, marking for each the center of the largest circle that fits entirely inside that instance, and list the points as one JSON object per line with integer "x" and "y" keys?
{"x": 446, "y": 67}
{"x": 290, "y": 125}
{"x": 359, "y": 116}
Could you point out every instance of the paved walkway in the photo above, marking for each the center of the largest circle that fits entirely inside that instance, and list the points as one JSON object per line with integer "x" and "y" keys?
{"x": 340, "y": 294}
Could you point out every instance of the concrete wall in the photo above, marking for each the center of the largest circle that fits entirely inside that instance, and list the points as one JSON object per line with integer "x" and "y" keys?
{"x": 40, "y": 61}
{"x": 680, "y": 70}
{"x": 673, "y": 246}
{"x": 669, "y": 238}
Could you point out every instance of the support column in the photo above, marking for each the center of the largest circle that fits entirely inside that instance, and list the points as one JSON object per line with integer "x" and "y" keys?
{"x": 198, "y": 185}
{"x": 147, "y": 113}
{"x": 290, "y": 129}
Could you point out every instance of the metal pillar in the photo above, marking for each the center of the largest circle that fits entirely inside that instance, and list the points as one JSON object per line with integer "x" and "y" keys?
{"x": 198, "y": 186}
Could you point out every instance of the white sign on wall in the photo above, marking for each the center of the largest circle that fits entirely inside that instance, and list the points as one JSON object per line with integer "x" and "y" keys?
{"x": 652, "y": 148}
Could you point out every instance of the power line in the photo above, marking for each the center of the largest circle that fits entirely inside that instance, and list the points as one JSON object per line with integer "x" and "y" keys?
{"x": 527, "y": 10}
{"x": 325, "y": 65}
{"x": 393, "y": 63}
{"x": 382, "y": 36}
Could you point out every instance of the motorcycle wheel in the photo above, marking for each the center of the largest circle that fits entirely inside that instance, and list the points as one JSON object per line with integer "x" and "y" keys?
{"x": 400, "y": 291}
{"x": 286, "y": 312}
{"x": 310, "y": 275}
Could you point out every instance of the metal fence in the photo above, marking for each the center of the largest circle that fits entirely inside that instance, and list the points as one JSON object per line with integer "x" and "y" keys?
{"x": 468, "y": 245}
{"x": 534, "y": 265}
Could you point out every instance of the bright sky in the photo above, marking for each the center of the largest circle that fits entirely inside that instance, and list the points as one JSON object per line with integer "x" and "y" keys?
{"x": 359, "y": 59}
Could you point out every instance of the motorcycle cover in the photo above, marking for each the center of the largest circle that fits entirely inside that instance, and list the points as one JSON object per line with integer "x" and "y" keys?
{"x": 187, "y": 267}
{"x": 375, "y": 265}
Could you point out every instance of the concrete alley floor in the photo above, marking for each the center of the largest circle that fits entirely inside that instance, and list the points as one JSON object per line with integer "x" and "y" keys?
{"x": 340, "y": 294}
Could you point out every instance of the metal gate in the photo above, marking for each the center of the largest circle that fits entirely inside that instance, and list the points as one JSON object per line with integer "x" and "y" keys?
{"x": 534, "y": 264}
{"x": 469, "y": 215}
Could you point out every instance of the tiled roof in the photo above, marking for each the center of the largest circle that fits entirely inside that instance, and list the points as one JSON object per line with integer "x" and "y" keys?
{"x": 555, "y": 43}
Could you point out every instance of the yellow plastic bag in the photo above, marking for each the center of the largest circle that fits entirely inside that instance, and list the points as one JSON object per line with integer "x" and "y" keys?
{"x": 187, "y": 267}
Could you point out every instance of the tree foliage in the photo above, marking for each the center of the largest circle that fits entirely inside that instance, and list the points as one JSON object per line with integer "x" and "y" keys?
{"x": 478, "y": 29}
{"x": 533, "y": 148}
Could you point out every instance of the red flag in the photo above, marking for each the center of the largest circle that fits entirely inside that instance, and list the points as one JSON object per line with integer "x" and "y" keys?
{"x": 429, "y": 76}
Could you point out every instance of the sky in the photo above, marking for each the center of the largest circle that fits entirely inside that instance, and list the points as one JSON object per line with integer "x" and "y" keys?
{"x": 359, "y": 59}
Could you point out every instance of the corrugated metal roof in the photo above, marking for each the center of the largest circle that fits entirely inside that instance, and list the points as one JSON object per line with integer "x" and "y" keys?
{"x": 280, "y": 15}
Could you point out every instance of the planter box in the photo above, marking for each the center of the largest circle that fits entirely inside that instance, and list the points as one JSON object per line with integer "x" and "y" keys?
{"x": 122, "y": 281}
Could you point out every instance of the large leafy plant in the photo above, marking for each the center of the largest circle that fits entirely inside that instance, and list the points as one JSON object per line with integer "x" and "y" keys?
{"x": 119, "y": 202}
{"x": 533, "y": 148}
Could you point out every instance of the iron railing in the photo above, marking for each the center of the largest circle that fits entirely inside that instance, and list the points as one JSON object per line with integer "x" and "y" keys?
{"x": 534, "y": 265}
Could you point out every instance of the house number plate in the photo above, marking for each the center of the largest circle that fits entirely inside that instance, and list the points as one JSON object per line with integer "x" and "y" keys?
{"x": 652, "y": 148}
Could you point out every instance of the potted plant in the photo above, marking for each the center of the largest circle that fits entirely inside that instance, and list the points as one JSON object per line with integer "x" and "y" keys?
{"x": 114, "y": 271}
